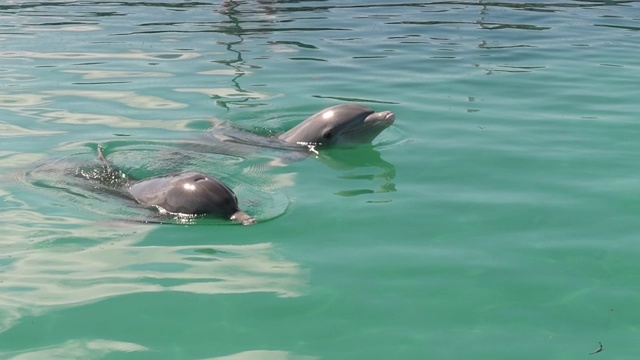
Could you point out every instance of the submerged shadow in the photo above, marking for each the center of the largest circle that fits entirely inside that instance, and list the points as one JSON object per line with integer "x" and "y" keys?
{"x": 362, "y": 165}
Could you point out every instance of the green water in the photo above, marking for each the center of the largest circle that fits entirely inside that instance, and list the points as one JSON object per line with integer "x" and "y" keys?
{"x": 496, "y": 219}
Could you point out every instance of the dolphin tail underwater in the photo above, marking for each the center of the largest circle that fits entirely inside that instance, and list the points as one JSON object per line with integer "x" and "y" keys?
{"x": 344, "y": 124}
{"x": 190, "y": 193}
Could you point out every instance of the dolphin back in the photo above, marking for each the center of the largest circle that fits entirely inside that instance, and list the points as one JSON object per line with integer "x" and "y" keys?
{"x": 186, "y": 193}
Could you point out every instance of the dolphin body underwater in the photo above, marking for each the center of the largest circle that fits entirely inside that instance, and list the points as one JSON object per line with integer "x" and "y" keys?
{"x": 195, "y": 193}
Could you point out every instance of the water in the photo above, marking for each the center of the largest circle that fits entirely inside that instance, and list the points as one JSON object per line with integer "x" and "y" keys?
{"x": 496, "y": 219}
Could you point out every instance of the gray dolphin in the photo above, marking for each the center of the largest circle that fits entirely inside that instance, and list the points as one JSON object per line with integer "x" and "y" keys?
{"x": 190, "y": 193}
{"x": 344, "y": 124}
{"x": 198, "y": 193}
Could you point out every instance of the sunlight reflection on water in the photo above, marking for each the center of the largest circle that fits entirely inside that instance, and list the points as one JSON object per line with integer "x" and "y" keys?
{"x": 36, "y": 280}
{"x": 507, "y": 183}
{"x": 98, "y": 348}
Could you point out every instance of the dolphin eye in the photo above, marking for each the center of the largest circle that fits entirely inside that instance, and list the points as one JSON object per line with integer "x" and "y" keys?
{"x": 327, "y": 135}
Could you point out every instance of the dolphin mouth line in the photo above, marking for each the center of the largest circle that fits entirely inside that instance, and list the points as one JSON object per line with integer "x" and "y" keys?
{"x": 385, "y": 118}
{"x": 378, "y": 120}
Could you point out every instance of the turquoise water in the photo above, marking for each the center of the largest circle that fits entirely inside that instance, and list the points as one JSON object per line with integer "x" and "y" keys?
{"x": 496, "y": 219}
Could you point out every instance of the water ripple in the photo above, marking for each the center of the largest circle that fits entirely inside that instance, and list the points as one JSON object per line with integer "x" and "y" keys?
{"x": 128, "y": 98}
{"x": 511, "y": 164}
{"x": 76, "y": 349}
{"x": 35, "y": 281}
{"x": 94, "y": 55}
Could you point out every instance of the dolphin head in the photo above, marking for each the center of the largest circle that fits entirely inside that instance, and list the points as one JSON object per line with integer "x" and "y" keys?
{"x": 345, "y": 124}
{"x": 190, "y": 193}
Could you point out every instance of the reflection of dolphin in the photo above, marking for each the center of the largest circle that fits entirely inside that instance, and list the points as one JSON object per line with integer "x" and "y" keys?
{"x": 362, "y": 163}
{"x": 190, "y": 193}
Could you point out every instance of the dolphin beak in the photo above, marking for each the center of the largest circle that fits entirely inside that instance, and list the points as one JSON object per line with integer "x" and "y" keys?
{"x": 380, "y": 119}
{"x": 243, "y": 218}
{"x": 388, "y": 117}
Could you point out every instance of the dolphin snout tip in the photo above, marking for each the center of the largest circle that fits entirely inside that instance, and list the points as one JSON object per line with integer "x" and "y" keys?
{"x": 243, "y": 218}
{"x": 250, "y": 221}
{"x": 387, "y": 117}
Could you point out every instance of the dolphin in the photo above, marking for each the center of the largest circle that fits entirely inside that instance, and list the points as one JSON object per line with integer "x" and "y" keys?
{"x": 196, "y": 193}
{"x": 184, "y": 193}
{"x": 344, "y": 124}
{"x": 190, "y": 193}
{"x": 340, "y": 125}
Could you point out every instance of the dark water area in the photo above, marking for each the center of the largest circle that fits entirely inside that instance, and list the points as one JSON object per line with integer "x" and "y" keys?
{"x": 496, "y": 218}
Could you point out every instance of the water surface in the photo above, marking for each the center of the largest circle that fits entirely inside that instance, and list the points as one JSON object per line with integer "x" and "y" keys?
{"x": 496, "y": 219}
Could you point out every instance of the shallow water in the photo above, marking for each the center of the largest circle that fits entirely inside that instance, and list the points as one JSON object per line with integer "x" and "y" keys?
{"x": 497, "y": 218}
